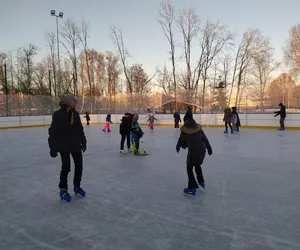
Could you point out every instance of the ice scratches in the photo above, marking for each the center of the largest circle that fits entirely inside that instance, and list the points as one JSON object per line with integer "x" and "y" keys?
{"x": 224, "y": 193}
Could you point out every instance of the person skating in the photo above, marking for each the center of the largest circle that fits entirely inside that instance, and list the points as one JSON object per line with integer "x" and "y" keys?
{"x": 136, "y": 135}
{"x": 188, "y": 114}
{"x": 107, "y": 123}
{"x": 236, "y": 123}
{"x": 87, "y": 117}
{"x": 66, "y": 136}
{"x": 125, "y": 130}
{"x": 282, "y": 113}
{"x": 227, "y": 120}
{"x": 151, "y": 120}
{"x": 193, "y": 137}
{"x": 177, "y": 120}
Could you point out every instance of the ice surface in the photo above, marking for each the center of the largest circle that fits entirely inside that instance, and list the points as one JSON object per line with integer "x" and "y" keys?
{"x": 136, "y": 203}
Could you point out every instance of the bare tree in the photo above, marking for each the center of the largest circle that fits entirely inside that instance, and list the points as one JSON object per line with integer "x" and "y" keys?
{"x": 51, "y": 43}
{"x": 166, "y": 19}
{"x": 3, "y": 59}
{"x": 264, "y": 64}
{"x": 292, "y": 50}
{"x": 70, "y": 33}
{"x": 165, "y": 81}
{"x": 189, "y": 24}
{"x": 83, "y": 37}
{"x": 252, "y": 44}
{"x": 215, "y": 39}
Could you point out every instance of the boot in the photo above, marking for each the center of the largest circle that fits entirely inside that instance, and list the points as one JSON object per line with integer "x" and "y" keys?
{"x": 80, "y": 191}
{"x": 190, "y": 191}
{"x": 64, "y": 195}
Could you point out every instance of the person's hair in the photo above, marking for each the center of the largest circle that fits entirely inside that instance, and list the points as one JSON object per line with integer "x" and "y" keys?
{"x": 280, "y": 104}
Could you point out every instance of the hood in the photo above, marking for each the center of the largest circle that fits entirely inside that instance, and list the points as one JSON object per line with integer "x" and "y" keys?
{"x": 65, "y": 100}
{"x": 190, "y": 127}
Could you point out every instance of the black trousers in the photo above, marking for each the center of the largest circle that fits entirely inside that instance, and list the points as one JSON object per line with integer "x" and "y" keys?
{"x": 282, "y": 122}
{"x": 226, "y": 125}
{"x": 192, "y": 181}
{"x": 87, "y": 122}
{"x": 127, "y": 137}
{"x": 176, "y": 124}
{"x": 66, "y": 167}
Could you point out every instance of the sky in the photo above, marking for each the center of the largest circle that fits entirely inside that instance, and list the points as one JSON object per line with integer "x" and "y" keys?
{"x": 26, "y": 21}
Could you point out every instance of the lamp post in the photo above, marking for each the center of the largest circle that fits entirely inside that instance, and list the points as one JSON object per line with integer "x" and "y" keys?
{"x": 60, "y": 15}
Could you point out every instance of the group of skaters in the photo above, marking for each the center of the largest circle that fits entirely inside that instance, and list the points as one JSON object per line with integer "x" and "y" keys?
{"x": 66, "y": 137}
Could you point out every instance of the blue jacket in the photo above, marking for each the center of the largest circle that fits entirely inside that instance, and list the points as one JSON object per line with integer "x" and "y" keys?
{"x": 108, "y": 118}
{"x": 137, "y": 133}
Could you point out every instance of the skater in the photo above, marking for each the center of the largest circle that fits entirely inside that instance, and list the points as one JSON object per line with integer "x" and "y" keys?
{"x": 125, "y": 129}
{"x": 66, "y": 136}
{"x": 87, "y": 117}
{"x": 177, "y": 120}
{"x": 151, "y": 120}
{"x": 148, "y": 116}
{"x": 227, "y": 120}
{"x": 236, "y": 123}
{"x": 188, "y": 114}
{"x": 193, "y": 137}
{"x": 136, "y": 135}
{"x": 282, "y": 113}
{"x": 107, "y": 123}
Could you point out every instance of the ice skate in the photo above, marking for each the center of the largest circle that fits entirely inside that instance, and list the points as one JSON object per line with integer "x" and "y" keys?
{"x": 202, "y": 184}
{"x": 129, "y": 150}
{"x": 80, "y": 191}
{"x": 64, "y": 195}
{"x": 103, "y": 130}
{"x": 281, "y": 129}
{"x": 190, "y": 191}
{"x": 122, "y": 151}
{"x": 226, "y": 131}
{"x": 231, "y": 132}
{"x": 108, "y": 131}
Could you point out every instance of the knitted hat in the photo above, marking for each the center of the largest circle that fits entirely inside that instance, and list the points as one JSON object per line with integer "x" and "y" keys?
{"x": 67, "y": 99}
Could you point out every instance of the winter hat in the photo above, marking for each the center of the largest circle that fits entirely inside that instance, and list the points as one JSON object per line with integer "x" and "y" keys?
{"x": 67, "y": 99}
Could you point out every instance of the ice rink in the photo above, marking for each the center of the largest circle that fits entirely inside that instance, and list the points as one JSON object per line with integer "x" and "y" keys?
{"x": 136, "y": 203}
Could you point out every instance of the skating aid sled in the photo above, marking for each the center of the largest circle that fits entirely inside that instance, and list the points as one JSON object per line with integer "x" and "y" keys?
{"x": 143, "y": 153}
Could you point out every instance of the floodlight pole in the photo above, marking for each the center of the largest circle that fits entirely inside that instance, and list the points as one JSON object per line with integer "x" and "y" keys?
{"x": 58, "y": 58}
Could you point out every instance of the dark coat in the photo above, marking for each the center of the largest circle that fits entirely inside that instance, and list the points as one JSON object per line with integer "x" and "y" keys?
{"x": 126, "y": 125}
{"x": 177, "y": 117}
{"x": 238, "y": 118}
{"x": 188, "y": 115}
{"x": 197, "y": 142}
{"x": 227, "y": 115}
{"x": 281, "y": 112}
{"x": 66, "y": 135}
{"x": 87, "y": 117}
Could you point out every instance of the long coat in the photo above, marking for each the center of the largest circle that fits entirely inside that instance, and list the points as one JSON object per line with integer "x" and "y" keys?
{"x": 66, "y": 132}
{"x": 126, "y": 125}
{"x": 195, "y": 139}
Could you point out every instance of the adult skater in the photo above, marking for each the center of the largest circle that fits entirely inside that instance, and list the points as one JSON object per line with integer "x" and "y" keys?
{"x": 125, "y": 129}
{"x": 282, "y": 113}
{"x": 236, "y": 123}
{"x": 193, "y": 137}
{"x": 66, "y": 136}
{"x": 107, "y": 123}
{"x": 227, "y": 120}
{"x": 87, "y": 117}
{"x": 188, "y": 114}
{"x": 177, "y": 120}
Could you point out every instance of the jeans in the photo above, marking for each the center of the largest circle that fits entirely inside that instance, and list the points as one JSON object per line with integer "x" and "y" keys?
{"x": 66, "y": 167}
{"x": 127, "y": 137}
{"x": 282, "y": 122}
{"x": 176, "y": 124}
{"x": 192, "y": 181}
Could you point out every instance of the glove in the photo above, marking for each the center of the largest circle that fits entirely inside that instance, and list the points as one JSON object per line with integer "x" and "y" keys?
{"x": 83, "y": 147}
{"x": 53, "y": 154}
{"x": 210, "y": 152}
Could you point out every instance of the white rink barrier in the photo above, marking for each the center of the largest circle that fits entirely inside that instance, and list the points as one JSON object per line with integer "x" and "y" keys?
{"x": 211, "y": 120}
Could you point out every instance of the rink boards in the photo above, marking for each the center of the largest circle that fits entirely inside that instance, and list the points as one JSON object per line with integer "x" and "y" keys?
{"x": 259, "y": 121}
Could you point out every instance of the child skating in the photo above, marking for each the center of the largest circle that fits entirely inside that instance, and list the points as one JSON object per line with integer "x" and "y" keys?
{"x": 87, "y": 117}
{"x": 227, "y": 120}
{"x": 136, "y": 135}
{"x": 282, "y": 113}
{"x": 151, "y": 120}
{"x": 177, "y": 120}
{"x": 66, "y": 136}
{"x": 193, "y": 137}
{"x": 107, "y": 123}
{"x": 125, "y": 130}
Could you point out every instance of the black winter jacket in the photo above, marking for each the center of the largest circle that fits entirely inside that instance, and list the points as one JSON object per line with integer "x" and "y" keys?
{"x": 281, "y": 112}
{"x": 126, "y": 125}
{"x": 64, "y": 136}
{"x": 196, "y": 140}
